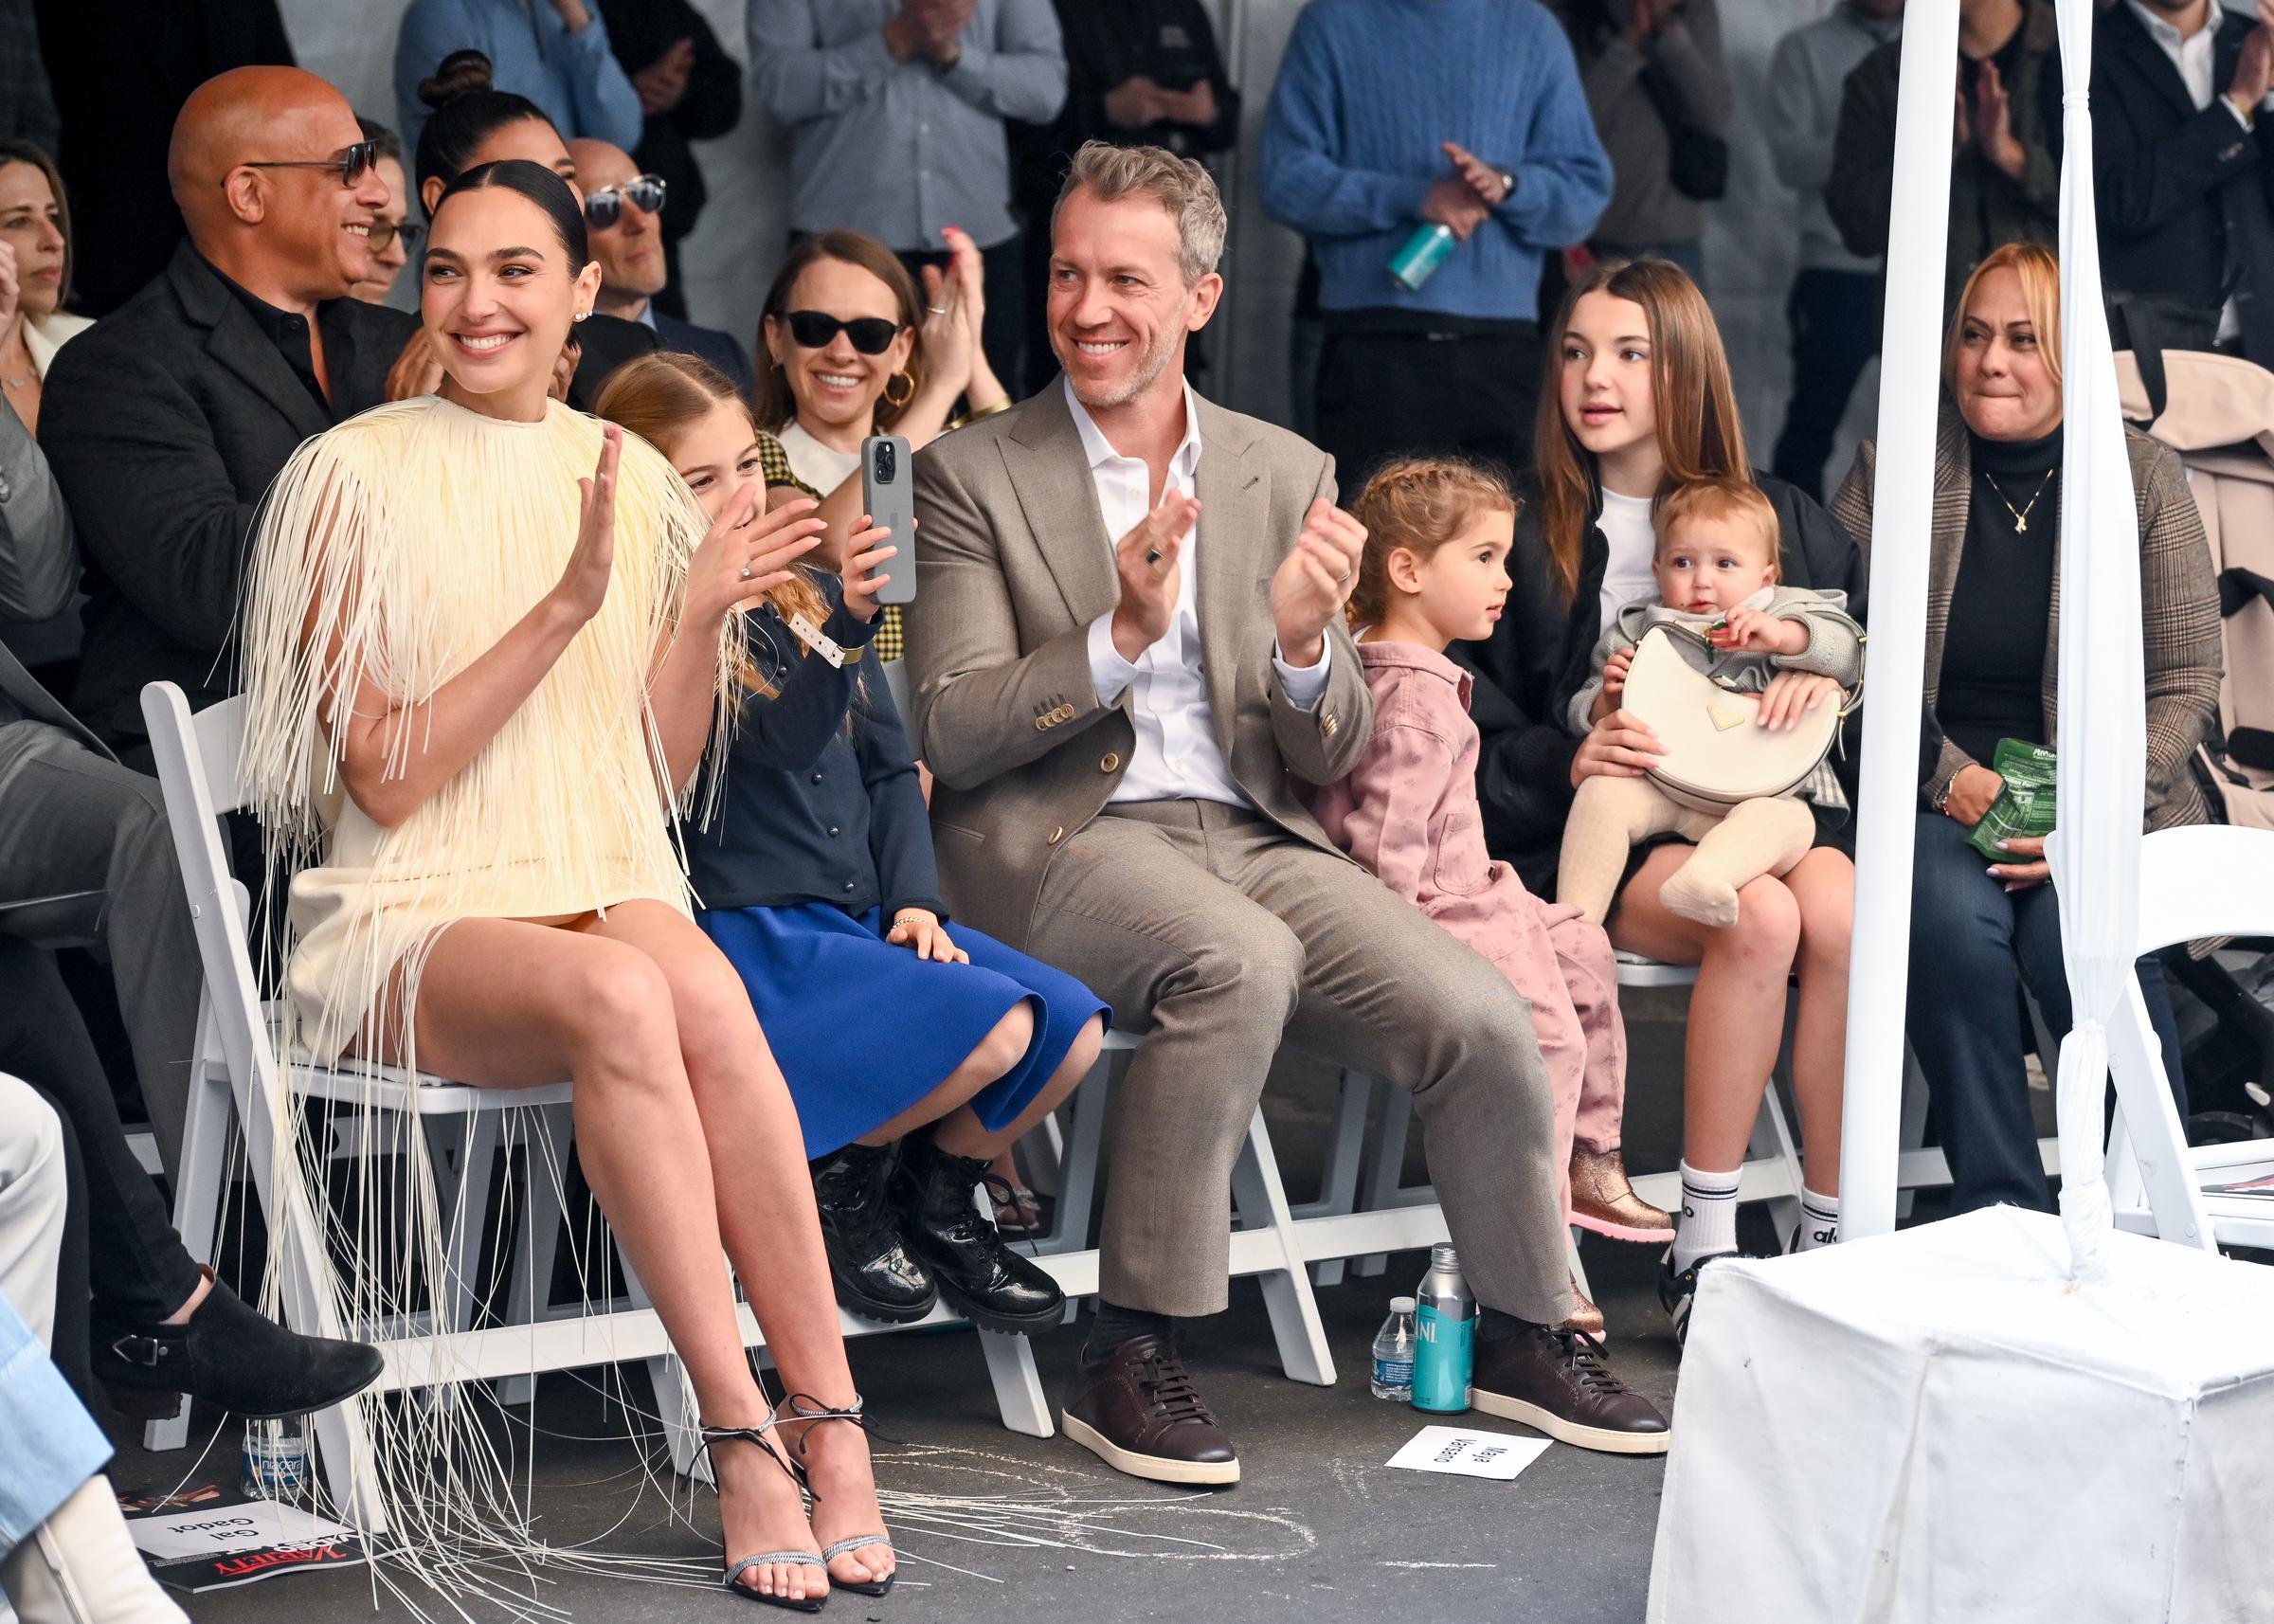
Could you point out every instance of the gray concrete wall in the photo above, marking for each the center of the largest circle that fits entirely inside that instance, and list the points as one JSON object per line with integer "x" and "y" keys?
{"x": 1749, "y": 249}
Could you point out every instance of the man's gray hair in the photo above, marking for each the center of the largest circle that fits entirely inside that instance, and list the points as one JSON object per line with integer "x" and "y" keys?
{"x": 1181, "y": 185}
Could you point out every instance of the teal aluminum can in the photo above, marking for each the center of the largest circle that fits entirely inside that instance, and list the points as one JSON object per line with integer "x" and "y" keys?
{"x": 1445, "y": 1336}
{"x": 1424, "y": 251}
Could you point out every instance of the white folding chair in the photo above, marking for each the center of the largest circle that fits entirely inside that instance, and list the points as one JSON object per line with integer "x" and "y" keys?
{"x": 237, "y": 1080}
{"x": 2206, "y": 881}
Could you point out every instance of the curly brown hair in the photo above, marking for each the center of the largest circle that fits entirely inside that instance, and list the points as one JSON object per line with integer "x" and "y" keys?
{"x": 1418, "y": 503}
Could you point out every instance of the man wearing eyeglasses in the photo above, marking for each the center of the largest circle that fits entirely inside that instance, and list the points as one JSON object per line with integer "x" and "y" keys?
{"x": 165, "y": 423}
{"x": 394, "y": 235}
{"x": 624, "y": 222}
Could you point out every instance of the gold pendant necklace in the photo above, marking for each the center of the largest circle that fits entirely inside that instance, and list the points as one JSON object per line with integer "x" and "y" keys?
{"x": 2021, "y": 514}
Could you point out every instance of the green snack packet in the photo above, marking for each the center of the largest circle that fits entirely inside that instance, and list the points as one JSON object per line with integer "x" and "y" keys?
{"x": 2024, "y": 808}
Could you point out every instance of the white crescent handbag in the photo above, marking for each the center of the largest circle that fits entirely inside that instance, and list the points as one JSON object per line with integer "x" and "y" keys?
{"x": 1717, "y": 752}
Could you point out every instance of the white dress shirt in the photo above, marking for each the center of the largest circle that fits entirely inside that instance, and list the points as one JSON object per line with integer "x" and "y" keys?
{"x": 1175, "y": 756}
{"x": 2194, "y": 57}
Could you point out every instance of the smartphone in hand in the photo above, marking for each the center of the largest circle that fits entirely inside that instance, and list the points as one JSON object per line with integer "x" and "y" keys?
{"x": 888, "y": 494}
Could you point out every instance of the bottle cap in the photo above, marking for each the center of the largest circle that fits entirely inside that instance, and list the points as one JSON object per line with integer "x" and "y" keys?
{"x": 1401, "y": 1305}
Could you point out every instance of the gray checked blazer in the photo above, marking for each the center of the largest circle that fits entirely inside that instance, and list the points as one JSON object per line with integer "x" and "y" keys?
{"x": 1013, "y": 563}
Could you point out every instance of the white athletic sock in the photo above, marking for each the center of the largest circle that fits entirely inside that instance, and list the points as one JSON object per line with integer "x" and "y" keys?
{"x": 1708, "y": 1220}
{"x": 1819, "y": 1220}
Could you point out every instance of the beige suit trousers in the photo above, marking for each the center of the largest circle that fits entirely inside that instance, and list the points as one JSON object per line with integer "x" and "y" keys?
{"x": 1219, "y": 935}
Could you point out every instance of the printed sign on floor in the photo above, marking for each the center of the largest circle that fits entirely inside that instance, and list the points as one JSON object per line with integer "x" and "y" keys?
{"x": 1468, "y": 1452}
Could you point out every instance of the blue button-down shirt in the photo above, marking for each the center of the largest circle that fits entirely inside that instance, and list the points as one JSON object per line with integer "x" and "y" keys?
{"x": 900, "y": 149}
{"x": 573, "y": 78}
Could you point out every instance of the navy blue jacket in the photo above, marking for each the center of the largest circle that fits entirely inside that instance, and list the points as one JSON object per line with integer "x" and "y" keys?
{"x": 718, "y": 348}
{"x": 816, "y": 810}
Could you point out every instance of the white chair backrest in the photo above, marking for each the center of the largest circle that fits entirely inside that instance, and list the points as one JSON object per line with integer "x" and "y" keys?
{"x": 2212, "y": 880}
{"x": 197, "y": 760}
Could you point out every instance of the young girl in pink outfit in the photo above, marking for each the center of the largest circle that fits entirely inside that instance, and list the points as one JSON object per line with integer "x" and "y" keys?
{"x": 1437, "y": 539}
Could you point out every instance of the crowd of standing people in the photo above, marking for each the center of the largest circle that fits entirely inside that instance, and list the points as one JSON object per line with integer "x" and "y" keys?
{"x": 1225, "y": 738}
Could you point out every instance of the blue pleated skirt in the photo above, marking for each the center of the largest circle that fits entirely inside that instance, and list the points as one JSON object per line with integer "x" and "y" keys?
{"x": 863, "y": 1028}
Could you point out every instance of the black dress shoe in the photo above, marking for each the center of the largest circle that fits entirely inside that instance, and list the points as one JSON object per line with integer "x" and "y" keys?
{"x": 979, "y": 1274}
{"x": 230, "y": 1356}
{"x": 1554, "y": 1379}
{"x": 1135, "y": 1408}
{"x": 875, "y": 1276}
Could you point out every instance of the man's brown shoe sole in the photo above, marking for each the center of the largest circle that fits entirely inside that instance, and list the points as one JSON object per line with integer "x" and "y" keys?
{"x": 1155, "y": 1467}
{"x": 1599, "y": 1438}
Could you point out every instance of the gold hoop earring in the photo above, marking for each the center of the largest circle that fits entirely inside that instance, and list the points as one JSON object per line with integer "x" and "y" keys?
{"x": 908, "y": 390}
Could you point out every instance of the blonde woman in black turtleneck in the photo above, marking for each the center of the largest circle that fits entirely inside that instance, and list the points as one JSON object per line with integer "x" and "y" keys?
{"x": 1992, "y": 636}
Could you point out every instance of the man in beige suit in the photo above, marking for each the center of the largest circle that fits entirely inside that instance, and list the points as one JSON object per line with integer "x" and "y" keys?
{"x": 1113, "y": 725}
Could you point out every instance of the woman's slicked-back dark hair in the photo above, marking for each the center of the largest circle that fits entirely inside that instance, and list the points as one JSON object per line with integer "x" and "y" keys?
{"x": 468, "y": 110}
{"x": 543, "y": 188}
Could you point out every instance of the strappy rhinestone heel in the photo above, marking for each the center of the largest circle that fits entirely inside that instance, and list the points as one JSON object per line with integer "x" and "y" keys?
{"x": 805, "y": 1407}
{"x": 735, "y": 1569}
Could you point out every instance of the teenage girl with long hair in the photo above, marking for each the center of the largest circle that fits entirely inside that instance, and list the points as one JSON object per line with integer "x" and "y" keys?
{"x": 1639, "y": 399}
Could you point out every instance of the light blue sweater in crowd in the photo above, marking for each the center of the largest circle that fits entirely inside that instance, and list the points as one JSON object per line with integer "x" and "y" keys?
{"x": 1367, "y": 91}
{"x": 573, "y": 78}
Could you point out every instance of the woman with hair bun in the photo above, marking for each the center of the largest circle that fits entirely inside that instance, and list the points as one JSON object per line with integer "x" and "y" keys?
{"x": 486, "y": 643}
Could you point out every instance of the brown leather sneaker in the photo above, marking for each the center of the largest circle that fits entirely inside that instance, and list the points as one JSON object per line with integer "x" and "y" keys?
{"x": 1556, "y": 1380}
{"x": 1585, "y": 1316}
{"x": 1602, "y": 1200}
{"x": 1135, "y": 1408}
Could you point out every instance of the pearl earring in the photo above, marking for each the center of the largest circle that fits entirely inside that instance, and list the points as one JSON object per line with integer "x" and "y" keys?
{"x": 582, "y": 314}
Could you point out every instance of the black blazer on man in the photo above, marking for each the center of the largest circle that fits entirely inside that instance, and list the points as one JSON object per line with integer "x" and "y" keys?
{"x": 165, "y": 424}
{"x": 2182, "y": 195}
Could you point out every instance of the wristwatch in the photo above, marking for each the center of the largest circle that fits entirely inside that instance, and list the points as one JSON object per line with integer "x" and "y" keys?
{"x": 1507, "y": 185}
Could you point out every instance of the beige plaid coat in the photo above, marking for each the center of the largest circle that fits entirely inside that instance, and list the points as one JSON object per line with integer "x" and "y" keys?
{"x": 2179, "y": 608}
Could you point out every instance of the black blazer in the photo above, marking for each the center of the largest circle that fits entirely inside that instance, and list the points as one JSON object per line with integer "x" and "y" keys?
{"x": 604, "y": 342}
{"x": 165, "y": 424}
{"x": 708, "y": 343}
{"x": 1537, "y": 658}
{"x": 2183, "y": 196}
{"x": 816, "y": 810}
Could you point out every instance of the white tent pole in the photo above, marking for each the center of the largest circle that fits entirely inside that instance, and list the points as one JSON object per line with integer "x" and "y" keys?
{"x": 1902, "y": 507}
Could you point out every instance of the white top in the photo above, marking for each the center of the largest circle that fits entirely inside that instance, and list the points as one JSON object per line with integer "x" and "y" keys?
{"x": 2195, "y": 58}
{"x": 1626, "y": 522}
{"x": 820, "y": 466}
{"x": 1175, "y": 756}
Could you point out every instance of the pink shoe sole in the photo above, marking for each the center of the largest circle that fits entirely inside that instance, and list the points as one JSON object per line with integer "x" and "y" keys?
{"x": 1621, "y": 1231}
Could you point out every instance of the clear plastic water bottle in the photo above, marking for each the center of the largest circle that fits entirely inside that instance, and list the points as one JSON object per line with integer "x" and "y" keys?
{"x": 1393, "y": 1353}
{"x": 1444, "y": 1349}
{"x": 273, "y": 1464}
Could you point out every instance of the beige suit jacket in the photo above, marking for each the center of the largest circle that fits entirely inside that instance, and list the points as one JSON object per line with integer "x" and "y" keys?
{"x": 1013, "y": 563}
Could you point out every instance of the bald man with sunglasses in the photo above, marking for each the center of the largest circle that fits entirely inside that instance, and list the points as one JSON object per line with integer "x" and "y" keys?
{"x": 165, "y": 423}
{"x": 623, "y": 219}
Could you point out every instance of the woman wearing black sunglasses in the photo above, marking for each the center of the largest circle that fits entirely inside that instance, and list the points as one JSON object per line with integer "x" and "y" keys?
{"x": 856, "y": 350}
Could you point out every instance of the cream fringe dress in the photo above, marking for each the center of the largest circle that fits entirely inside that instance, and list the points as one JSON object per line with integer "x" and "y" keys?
{"x": 396, "y": 549}
{"x": 407, "y": 541}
